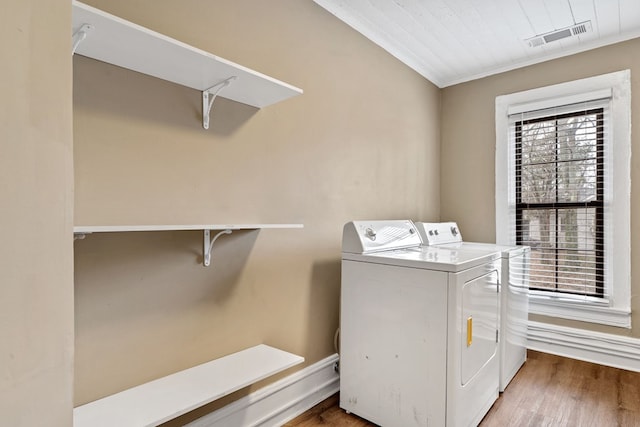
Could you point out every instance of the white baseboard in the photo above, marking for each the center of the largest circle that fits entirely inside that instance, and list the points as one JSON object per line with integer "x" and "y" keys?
{"x": 279, "y": 402}
{"x": 596, "y": 347}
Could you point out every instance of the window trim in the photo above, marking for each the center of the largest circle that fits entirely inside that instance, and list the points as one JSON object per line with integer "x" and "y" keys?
{"x": 616, "y": 311}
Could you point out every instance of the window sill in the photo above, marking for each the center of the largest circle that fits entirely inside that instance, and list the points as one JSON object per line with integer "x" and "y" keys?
{"x": 579, "y": 309}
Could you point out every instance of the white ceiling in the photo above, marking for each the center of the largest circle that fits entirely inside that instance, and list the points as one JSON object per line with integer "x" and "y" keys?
{"x": 453, "y": 41}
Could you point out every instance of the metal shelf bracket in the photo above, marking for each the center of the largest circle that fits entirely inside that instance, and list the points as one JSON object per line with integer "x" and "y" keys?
{"x": 209, "y": 95}
{"x": 79, "y": 36}
{"x": 208, "y": 244}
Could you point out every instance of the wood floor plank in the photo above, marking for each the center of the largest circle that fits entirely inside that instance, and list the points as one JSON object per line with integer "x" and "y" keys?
{"x": 548, "y": 391}
{"x": 328, "y": 414}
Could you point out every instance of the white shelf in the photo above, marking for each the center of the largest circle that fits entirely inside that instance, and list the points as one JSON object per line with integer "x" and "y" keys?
{"x": 128, "y": 45}
{"x": 158, "y": 401}
{"x": 79, "y": 232}
{"x": 88, "y": 229}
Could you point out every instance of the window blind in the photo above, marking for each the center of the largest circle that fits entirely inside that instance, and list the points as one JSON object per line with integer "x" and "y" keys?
{"x": 560, "y": 195}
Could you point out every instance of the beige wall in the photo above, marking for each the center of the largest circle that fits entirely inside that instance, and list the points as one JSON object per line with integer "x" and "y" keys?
{"x": 362, "y": 142}
{"x": 468, "y": 138}
{"x": 36, "y": 202}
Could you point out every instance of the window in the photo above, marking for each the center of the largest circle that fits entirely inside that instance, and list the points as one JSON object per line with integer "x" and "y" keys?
{"x": 563, "y": 188}
{"x": 559, "y": 185}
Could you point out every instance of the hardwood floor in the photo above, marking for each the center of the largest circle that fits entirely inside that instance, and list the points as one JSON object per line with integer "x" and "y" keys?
{"x": 548, "y": 391}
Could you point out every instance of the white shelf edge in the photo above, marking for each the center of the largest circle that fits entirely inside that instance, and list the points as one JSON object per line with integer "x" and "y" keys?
{"x": 128, "y": 45}
{"x": 169, "y": 397}
{"x": 88, "y": 229}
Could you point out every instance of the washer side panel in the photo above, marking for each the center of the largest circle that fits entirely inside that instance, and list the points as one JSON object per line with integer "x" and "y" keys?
{"x": 393, "y": 344}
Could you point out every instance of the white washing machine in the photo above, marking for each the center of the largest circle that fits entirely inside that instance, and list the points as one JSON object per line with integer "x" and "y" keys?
{"x": 418, "y": 328}
{"x": 514, "y": 301}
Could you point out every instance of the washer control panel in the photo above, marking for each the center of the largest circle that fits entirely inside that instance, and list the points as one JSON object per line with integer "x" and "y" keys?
{"x": 374, "y": 236}
{"x": 437, "y": 233}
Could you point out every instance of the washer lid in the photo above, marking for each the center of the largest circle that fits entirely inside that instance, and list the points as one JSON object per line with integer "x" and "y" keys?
{"x": 362, "y": 237}
{"x": 436, "y": 258}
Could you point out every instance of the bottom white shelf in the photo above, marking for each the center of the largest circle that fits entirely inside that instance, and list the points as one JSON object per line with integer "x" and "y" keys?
{"x": 161, "y": 400}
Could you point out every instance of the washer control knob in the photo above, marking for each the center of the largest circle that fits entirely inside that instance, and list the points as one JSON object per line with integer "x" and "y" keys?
{"x": 370, "y": 233}
{"x": 412, "y": 231}
{"x": 454, "y": 231}
{"x": 430, "y": 232}
{"x": 435, "y": 232}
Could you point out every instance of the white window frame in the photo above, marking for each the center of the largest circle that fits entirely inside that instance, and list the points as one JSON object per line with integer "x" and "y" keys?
{"x": 616, "y": 310}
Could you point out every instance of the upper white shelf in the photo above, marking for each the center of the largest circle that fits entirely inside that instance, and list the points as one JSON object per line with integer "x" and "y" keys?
{"x": 128, "y": 45}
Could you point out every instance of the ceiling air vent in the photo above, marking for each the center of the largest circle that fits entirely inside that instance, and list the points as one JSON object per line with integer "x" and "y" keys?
{"x": 574, "y": 30}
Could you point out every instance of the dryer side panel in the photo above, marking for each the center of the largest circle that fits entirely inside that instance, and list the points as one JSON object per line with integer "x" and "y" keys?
{"x": 515, "y": 314}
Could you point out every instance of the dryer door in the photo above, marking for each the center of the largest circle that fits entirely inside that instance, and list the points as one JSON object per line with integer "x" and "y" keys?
{"x": 479, "y": 309}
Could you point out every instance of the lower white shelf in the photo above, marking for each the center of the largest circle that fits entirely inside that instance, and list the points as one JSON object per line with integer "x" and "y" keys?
{"x": 161, "y": 400}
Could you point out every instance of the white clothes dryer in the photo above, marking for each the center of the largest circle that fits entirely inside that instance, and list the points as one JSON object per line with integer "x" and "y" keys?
{"x": 418, "y": 328}
{"x": 514, "y": 289}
